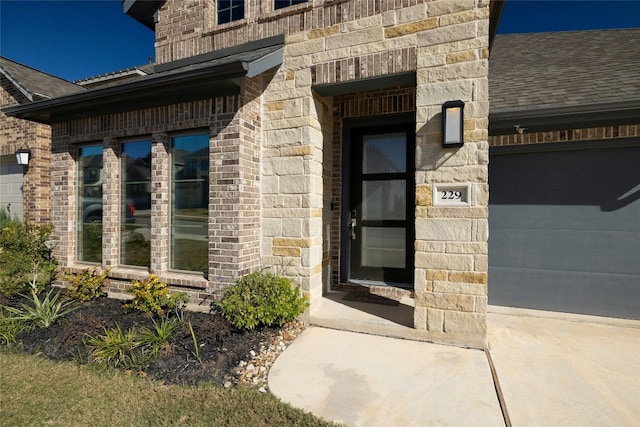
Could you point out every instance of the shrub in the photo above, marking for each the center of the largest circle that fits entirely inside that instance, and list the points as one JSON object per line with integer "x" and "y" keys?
{"x": 117, "y": 349}
{"x": 41, "y": 314}
{"x": 26, "y": 258}
{"x": 87, "y": 285}
{"x": 261, "y": 299}
{"x": 10, "y": 328}
{"x": 160, "y": 336}
{"x": 151, "y": 295}
{"x": 133, "y": 349}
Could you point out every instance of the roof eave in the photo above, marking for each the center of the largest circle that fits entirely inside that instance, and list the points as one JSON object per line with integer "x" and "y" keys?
{"x": 143, "y": 11}
{"x": 544, "y": 119}
{"x": 204, "y": 82}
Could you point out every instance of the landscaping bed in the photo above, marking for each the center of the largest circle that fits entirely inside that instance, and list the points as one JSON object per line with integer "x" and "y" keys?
{"x": 205, "y": 348}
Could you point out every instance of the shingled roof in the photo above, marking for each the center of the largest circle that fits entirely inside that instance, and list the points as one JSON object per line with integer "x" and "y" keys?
{"x": 34, "y": 84}
{"x": 564, "y": 68}
{"x": 564, "y": 80}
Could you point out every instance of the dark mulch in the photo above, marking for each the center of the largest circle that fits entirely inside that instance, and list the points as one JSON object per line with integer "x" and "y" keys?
{"x": 221, "y": 346}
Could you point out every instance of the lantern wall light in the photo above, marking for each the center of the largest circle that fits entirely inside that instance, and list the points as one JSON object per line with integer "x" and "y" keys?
{"x": 452, "y": 124}
{"x": 22, "y": 156}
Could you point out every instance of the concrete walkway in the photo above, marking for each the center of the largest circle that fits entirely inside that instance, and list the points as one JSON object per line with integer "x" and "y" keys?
{"x": 551, "y": 372}
{"x": 368, "y": 380}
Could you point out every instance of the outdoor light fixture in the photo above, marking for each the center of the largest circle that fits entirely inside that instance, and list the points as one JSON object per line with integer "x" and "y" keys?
{"x": 22, "y": 156}
{"x": 452, "y": 124}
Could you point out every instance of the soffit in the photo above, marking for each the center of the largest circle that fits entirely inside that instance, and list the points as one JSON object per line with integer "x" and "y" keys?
{"x": 205, "y": 78}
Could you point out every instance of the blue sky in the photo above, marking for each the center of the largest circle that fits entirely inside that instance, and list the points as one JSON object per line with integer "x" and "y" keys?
{"x": 78, "y": 39}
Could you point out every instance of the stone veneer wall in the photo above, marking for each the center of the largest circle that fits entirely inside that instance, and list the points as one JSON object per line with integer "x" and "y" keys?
{"x": 233, "y": 123}
{"x": 17, "y": 133}
{"x": 446, "y": 45}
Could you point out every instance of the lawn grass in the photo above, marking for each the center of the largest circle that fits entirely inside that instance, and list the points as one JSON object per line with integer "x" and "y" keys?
{"x": 37, "y": 391}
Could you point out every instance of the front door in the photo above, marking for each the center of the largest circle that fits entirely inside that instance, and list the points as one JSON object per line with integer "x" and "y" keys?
{"x": 381, "y": 205}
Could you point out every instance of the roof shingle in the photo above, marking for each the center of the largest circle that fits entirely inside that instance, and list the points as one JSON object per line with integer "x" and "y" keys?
{"x": 539, "y": 70}
{"x": 38, "y": 84}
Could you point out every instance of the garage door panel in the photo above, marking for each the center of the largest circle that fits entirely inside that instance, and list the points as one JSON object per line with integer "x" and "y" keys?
{"x": 529, "y": 216}
{"x": 566, "y": 291}
{"x": 11, "y": 185}
{"x": 586, "y": 251}
{"x": 565, "y": 231}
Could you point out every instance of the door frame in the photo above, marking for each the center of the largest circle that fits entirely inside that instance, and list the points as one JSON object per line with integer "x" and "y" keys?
{"x": 348, "y": 128}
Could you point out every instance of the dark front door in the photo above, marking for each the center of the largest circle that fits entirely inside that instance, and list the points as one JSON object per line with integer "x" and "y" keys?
{"x": 381, "y": 209}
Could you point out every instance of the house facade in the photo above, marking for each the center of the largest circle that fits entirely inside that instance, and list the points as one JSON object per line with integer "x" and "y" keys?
{"x": 301, "y": 136}
{"x": 26, "y": 191}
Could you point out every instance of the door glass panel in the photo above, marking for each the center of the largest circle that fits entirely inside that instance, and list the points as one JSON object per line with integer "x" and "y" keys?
{"x": 383, "y": 247}
{"x": 384, "y": 153}
{"x": 384, "y": 200}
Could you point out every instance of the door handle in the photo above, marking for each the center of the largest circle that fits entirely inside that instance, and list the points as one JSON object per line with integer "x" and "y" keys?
{"x": 352, "y": 228}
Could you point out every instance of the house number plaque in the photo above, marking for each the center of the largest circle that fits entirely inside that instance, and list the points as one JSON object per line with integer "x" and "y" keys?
{"x": 451, "y": 194}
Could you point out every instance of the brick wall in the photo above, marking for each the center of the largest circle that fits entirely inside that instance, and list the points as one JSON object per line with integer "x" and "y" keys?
{"x": 187, "y": 28}
{"x": 569, "y": 135}
{"x": 16, "y": 133}
{"x": 233, "y": 123}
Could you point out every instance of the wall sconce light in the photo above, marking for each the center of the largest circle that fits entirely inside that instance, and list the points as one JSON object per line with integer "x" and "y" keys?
{"x": 22, "y": 156}
{"x": 452, "y": 124}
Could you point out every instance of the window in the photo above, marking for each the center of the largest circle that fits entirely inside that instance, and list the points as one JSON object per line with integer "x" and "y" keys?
{"x": 279, "y": 4}
{"x": 189, "y": 202}
{"x": 230, "y": 10}
{"x": 89, "y": 243}
{"x": 135, "y": 232}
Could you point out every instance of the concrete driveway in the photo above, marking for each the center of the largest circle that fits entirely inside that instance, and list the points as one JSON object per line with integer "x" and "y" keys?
{"x": 574, "y": 371}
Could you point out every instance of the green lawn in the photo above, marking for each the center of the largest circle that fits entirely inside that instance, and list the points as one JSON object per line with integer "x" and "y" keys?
{"x": 36, "y": 391}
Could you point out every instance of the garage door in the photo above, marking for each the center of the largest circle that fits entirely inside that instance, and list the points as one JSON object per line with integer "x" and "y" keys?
{"x": 11, "y": 185}
{"x": 564, "y": 231}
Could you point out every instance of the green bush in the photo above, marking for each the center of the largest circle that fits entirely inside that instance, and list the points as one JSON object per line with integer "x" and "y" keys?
{"x": 41, "y": 314}
{"x": 26, "y": 258}
{"x": 10, "y": 328}
{"x": 133, "y": 349}
{"x": 262, "y": 299}
{"x": 151, "y": 295}
{"x": 87, "y": 285}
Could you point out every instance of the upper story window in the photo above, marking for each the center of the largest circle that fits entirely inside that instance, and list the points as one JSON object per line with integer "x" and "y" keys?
{"x": 279, "y": 4}
{"x": 230, "y": 10}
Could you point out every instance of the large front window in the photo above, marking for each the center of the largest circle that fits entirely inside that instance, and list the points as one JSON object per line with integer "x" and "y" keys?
{"x": 135, "y": 235}
{"x": 89, "y": 243}
{"x": 189, "y": 202}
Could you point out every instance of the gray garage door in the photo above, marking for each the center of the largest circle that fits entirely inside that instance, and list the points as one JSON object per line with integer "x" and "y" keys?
{"x": 11, "y": 185}
{"x": 564, "y": 231}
